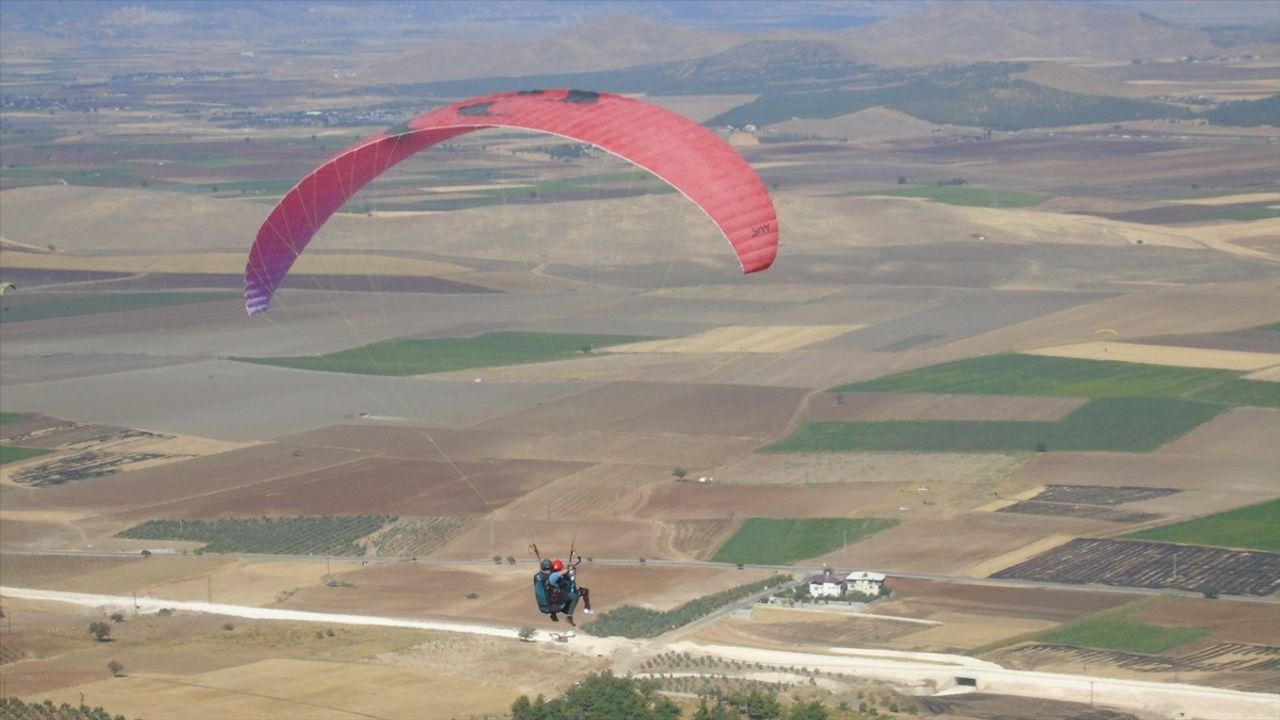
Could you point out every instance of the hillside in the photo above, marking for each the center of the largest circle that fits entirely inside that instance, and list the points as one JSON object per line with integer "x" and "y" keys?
{"x": 614, "y": 42}
{"x": 972, "y": 31}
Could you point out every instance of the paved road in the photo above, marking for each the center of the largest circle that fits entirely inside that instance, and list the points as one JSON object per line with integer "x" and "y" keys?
{"x": 925, "y": 670}
{"x": 799, "y": 570}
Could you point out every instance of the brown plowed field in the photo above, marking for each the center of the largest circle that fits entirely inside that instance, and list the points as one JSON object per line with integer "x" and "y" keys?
{"x": 920, "y": 469}
{"x": 585, "y": 446}
{"x": 882, "y": 407}
{"x": 1239, "y": 432}
{"x": 1130, "y": 563}
{"x": 555, "y": 532}
{"x": 929, "y": 599}
{"x": 1208, "y": 484}
{"x": 692, "y": 500}
{"x": 378, "y": 486}
{"x": 853, "y": 631}
{"x": 950, "y": 544}
{"x": 696, "y": 539}
{"x": 659, "y": 408}
{"x": 1245, "y": 623}
{"x": 505, "y": 592}
{"x": 1239, "y": 666}
{"x": 203, "y": 477}
{"x": 599, "y": 492}
{"x": 1247, "y": 340}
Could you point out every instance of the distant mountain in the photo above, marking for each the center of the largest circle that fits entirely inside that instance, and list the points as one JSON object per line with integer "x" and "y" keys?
{"x": 610, "y": 43}
{"x": 970, "y": 31}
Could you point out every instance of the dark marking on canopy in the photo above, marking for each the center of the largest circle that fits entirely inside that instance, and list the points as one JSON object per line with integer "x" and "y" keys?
{"x": 476, "y": 110}
{"x": 530, "y": 92}
{"x": 582, "y": 97}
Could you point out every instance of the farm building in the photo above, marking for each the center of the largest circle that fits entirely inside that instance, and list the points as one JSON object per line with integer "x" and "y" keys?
{"x": 866, "y": 583}
{"x": 826, "y": 585}
{"x": 860, "y": 581}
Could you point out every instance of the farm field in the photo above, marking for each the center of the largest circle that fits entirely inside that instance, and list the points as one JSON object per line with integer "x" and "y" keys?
{"x": 1151, "y": 564}
{"x": 1101, "y": 424}
{"x": 1256, "y": 527}
{"x": 781, "y": 542}
{"x": 420, "y": 357}
{"x": 994, "y": 349}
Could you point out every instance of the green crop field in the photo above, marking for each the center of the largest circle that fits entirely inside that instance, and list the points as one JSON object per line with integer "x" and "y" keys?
{"x": 1037, "y": 375}
{"x": 1068, "y": 377}
{"x": 966, "y": 195}
{"x": 13, "y": 453}
{"x": 105, "y": 303}
{"x": 1273, "y": 327}
{"x": 780, "y": 542}
{"x": 1117, "y": 424}
{"x": 1248, "y": 212}
{"x": 1256, "y": 527}
{"x": 323, "y": 535}
{"x": 1116, "y": 631}
{"x": 8, "y": 417}
{"x": 417, "y": 357}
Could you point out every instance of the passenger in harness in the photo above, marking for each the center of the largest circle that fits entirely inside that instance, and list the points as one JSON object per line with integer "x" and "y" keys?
{"x": 556, "y": 590}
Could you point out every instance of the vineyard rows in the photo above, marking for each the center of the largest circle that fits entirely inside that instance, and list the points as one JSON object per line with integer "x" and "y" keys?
{"x": 1131, "y": 563}
{"x": 323, "y": 535}
{"x": 415, "y": 537}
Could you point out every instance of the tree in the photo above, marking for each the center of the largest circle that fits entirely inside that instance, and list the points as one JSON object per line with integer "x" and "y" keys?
{"x": 600, "y": 697}
{"x": 100, "y": 631}
{"x": 116, "y": 668}
{"x": 807, "y": 711}
{"x": 586, "y": 349}
{"x": 117, "y": 617}
{"x": 511, "y": 560}
{"x": 497, "y": 559}
{"x": 1210, "y": 592}
{"x": 679, "y": 473}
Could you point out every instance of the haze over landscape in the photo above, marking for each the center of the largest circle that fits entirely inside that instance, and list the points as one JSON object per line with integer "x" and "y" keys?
{"x": 1011, "y": 388}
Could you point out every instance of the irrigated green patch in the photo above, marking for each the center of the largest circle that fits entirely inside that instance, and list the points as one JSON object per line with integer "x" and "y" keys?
{"x": 6, "y": 417}
{"x": 105, "y": 303}
{"x": 1256, "y": 393}
{"x": 1248, "y": 212}
{"x": 1117, "y": 631}
{"x": 966, "y": 195}
{"x": 1256, "y": 527}
{"x": 766, "y": 541}
{"x": 13, "y": 453}
{"x": 324, "y": 535}
{"x": 1068, "y": 377}
{"x": 417, "y": 357}
{"x": 1116, "y": 424}
{"x": 1273, "y": 327}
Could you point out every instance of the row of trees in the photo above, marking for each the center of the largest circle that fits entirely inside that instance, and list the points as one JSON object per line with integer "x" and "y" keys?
{"x": 12, "y": 708}
{"x": 606, "y": 697}
{"x": 638, "y": 622}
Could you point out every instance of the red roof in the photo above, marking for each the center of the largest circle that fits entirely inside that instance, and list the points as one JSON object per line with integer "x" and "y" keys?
{"x": 826, "y": 578}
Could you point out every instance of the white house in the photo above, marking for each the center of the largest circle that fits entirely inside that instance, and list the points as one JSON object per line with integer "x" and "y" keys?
{"x": 866, "y": 583}
{"x": 826, "y": 585}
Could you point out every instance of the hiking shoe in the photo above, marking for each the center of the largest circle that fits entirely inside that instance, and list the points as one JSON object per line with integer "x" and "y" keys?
{"x": 554, "y": 618}
{"x": 569, "y": 619}
{"x": 589, "y": 611}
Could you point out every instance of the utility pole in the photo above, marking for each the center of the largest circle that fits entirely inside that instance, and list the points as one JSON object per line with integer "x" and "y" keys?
{"x": 209, "y": 579}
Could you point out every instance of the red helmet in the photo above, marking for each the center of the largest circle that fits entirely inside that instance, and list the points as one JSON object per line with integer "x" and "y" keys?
{"x": 557, "y": 566}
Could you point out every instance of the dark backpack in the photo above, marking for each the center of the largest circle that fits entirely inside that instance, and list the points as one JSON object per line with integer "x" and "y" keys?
{"x": 540, "y": 588}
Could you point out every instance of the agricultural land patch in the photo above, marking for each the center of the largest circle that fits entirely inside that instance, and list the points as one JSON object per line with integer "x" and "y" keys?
{"x": 1132, "y": 563}
{"x": 418, "y": 357}
{"x": 1256, "y": 527}
{"x": 781, "y": 542}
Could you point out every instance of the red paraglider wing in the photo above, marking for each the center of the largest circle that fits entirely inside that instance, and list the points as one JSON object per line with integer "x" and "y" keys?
{"x": 684, "y": 154}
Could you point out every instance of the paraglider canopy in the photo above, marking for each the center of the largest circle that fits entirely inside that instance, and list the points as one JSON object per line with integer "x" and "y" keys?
{"x": 682, "y": 153}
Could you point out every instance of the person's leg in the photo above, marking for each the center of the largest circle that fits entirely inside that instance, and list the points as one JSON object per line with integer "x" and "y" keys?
{"x": 586, "y": 600}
